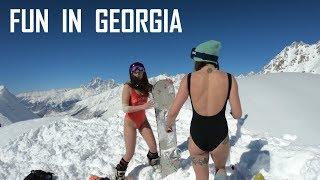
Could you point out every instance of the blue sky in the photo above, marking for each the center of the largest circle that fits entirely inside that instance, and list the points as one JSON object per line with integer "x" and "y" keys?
{"x": 252, "y": 32}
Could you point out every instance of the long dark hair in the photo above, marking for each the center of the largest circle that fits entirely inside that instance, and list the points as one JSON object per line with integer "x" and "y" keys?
{"x": 141, "y": 85}
{"x": 200, "y": 64}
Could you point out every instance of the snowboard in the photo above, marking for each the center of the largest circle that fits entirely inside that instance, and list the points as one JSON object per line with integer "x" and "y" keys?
{"x": 163, "y": 95}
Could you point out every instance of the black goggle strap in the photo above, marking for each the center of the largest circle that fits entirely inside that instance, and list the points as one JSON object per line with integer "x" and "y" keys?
{"x": 204, "y": 56}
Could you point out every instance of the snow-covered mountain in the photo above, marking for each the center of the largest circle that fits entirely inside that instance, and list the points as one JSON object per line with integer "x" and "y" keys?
{"x": 246, "y": 75}
{"x": 100, "y": 85}
{"x": 11, "y": 110}
{"x": 88, "y": 101}
{"x": 277, "y": 88}
{"x": 298, "y": 57}
{"x": 274, "y": 140}
{"x": 49, "y": 103}
{"x": 107, "y": 102}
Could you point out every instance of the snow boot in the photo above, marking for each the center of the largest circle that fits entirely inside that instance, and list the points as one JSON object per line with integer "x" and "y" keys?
{"x": 153, "y": 158}
{"x": 121, "y": 169}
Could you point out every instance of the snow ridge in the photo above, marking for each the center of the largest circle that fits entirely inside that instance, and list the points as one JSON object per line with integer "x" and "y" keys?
{"x": 52, "y": 102}
{"x": 11, "y": 110}
{"x": 298, "y": 57}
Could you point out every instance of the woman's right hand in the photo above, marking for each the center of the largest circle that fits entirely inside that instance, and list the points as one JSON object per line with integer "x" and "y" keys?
{"x": 148, "y": 105}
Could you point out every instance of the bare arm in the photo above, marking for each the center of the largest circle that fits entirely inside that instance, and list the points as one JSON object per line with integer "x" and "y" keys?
{"x": 178, "y": 102}
{"x": 234, "y": 100}
{"x": 125, "y": 102}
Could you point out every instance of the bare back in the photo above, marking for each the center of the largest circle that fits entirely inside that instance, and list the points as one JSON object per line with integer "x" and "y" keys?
{"x": 209, "y": 91}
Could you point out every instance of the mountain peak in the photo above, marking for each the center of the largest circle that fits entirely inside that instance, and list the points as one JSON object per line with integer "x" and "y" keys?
{"x": 3, "y": 89}
{"x": 297, "y": 43}
{"x": 297, "y": 57}
{"x": 99, "y": 83}
{"x": 12, "y": 109}
{"x": 96, "y": 81}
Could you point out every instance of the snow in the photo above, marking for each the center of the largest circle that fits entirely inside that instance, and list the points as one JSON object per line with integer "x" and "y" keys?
{"x": 4, "y": 120}
{"x": 283, "y": 103}
{"x": 297, "y": 57}
{"x": 12, "y": 132}
{"x": 56, "y": 101}
{"x": 74, "y": 149}
{"x": 105, "y": 103}
{"x": 11, "y": 110}
{"x": 280, "y": 117}
{"x": 99, "y": 84}
{"x": 89, "y": 101}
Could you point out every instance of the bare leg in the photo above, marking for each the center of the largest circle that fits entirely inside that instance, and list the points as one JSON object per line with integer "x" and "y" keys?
{"x": 129, "y": 139}
{"x": 200, "y": 160}
{"x": 220, "y": 154}
{"x": 147, "y": 134}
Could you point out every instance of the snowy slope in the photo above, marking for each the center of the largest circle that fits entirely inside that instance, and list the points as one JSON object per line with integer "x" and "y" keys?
{"x": 97, "y": 99}
{"x": 281, "y": 89}
{"x": 259, "y": 94}
{"x": 298, "y": 57}
{"x": 283, "y": 103}
{"x": 4, "y": 120}
{"x": 107, "y": 102}
{"x": 49, "y": 103}
{"x": 103, "y": 104}
{"x": 74, "y": 148}
{"x": 11, "y": 110}
{"x": 11, "y": 132}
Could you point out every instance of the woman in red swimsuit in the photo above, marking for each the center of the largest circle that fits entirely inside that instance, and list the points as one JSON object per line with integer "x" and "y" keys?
{"x": 134, "y": 102}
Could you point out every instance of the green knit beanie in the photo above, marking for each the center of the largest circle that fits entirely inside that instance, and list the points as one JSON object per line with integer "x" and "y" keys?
{"x": 211, "y": 47}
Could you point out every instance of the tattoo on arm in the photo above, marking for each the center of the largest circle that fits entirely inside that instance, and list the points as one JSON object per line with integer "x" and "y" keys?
{"x": 200, "y": 161}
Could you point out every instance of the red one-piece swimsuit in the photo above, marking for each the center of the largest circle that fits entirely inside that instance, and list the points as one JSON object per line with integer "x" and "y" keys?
{"x": 137, "y": 117}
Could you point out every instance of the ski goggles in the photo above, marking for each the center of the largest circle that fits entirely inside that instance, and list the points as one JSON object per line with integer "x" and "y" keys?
{"x": 203, "y": 56}
{"x": 136, "y": 69}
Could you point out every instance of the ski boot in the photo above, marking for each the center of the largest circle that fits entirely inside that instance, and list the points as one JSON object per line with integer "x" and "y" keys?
{"x": 153, "y": 158}
{"x": 121, "y": 169}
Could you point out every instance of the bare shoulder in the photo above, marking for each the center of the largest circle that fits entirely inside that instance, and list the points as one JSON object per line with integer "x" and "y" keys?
{"x": 126, "y": 87}
{"x": 125, "y": 92}
{"x": 226, "y": 74}
{"x": 222, "y": 74}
